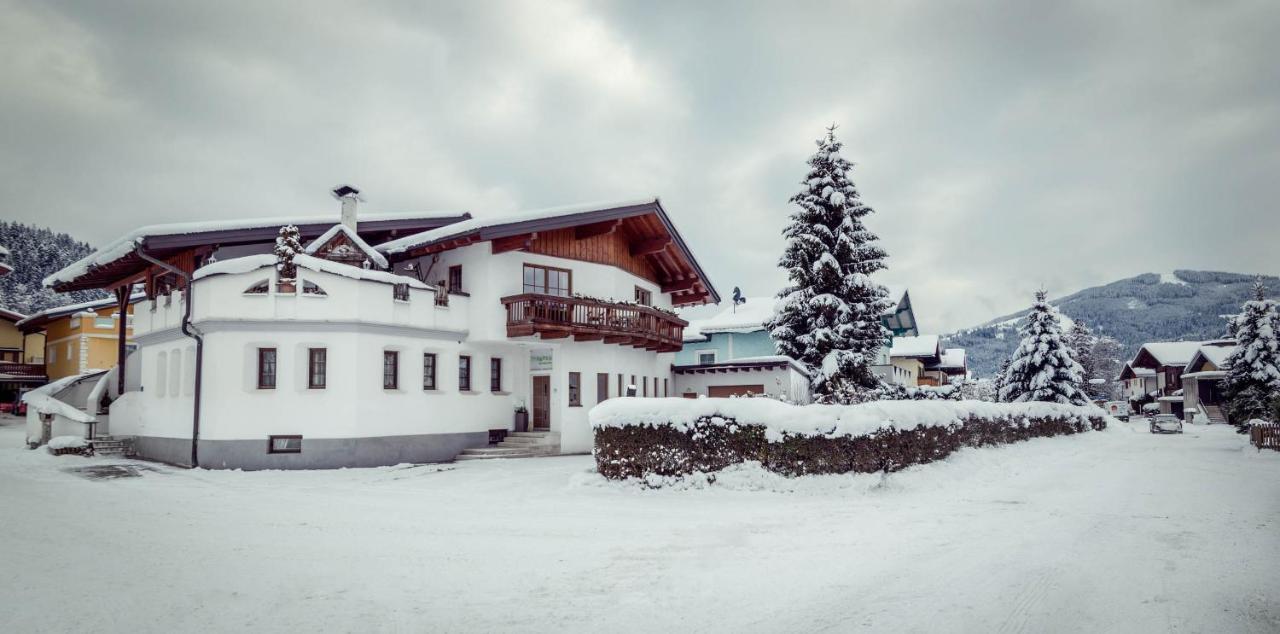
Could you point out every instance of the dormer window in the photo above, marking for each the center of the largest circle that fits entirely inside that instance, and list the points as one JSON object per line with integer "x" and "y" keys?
{"x": 259, "y": 288}
{"x": 311, "y": 288}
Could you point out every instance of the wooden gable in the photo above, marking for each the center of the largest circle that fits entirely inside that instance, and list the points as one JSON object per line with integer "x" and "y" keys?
{"x": 340, "y": 248}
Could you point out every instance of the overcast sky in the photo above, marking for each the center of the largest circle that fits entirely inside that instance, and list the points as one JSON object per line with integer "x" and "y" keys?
{"x": 1005, "y": 147}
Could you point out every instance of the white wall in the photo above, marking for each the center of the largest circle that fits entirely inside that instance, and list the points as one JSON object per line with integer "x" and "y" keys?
{"x": 781, "y": 383}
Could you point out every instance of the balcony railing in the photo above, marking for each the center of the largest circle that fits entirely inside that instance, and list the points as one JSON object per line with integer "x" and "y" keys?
{"x": 553, "y": 317}
{"x": 22, "y": 369}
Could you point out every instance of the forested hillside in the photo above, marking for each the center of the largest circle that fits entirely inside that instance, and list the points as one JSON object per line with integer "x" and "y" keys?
{"x": 1182, "y": 306}
{"x": 34, "y": 254}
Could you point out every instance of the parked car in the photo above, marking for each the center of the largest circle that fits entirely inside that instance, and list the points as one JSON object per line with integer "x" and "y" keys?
{"x": 1118, "y": 409}
{"x": 1166, "y": 424}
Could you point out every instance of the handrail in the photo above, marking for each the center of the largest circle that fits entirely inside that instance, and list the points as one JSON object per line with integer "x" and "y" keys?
{"x": 586, "y": 318}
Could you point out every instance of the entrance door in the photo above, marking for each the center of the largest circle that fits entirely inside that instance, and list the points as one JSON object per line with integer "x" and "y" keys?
{"x": 542, "y": 402}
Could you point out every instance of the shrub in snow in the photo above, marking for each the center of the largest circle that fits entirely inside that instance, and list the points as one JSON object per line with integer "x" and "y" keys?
{"x": 1043, "y": 368}
{"x": 829, "y": 316}
{"x": 641, "y": 438}
{"x": 288, "y": 244}
{"x": 896, "y": 392}
{"x": 1253, "y": 368}
{"x": 64, "y": 445}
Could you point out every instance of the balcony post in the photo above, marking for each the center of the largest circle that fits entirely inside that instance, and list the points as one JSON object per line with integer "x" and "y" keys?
{"x": 122, "y": 307}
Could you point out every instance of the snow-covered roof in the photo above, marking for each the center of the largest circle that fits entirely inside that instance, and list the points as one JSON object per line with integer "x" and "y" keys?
{"x": 1216, "y": 354}
{"x": 400, "y": 245}
{"x": 919, "y": 346}
{"x": 11, "y": 316}
{"x": 746, "y": 317}
{"x": 376, "y": 258}
{"x": 952, "y": 358}
{"x": 251, "y": 263}
{"x": 1171, "y": 352}
{"x": 747, "y": 363}
{"x": 896, "y": 295}
{"x": 1142, "y": 371}
{"x": 50, "y": 314}
{"x": 125, "y": 244}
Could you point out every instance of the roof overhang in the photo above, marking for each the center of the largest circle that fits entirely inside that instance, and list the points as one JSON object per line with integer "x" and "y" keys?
{"x": 166, "y": 243}
{"x": 672, "y": 245}
{"x": 38, "y": 321}
{"x": 739, "y": 366}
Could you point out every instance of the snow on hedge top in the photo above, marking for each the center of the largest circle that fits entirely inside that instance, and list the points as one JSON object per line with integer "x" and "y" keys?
{"x": 409, "y": 242}
{"x": 820, "y": 420}
{"x": 921, "y": 346}
{"x": 746, "y": 317}
{"x": 121, "y": 246}
{"x": 376, "y": 258}
{"x": 250, "y": 263}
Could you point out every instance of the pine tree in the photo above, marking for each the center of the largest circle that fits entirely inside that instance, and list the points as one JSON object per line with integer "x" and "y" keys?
{"x": 998, "y": 381}
{"x": 1042, "y": 368}
{"x": 829, "y": 316}
{"x": 1252, "y": 382}
{"x": 288, "y": 244}
{"x": 1080, "y": 341}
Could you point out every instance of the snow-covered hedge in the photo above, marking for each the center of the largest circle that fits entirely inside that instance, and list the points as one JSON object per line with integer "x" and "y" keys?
{"x": 636, "y": 437}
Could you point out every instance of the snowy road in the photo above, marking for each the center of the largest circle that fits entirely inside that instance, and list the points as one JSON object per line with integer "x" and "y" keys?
{"x": 1118, "y": 531}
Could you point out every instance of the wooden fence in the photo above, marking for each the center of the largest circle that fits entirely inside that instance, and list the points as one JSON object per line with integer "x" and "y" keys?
{"x": 1265, "y": 436}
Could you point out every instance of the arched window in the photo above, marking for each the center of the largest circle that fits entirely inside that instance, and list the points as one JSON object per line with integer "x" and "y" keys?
{"x": 311, "y": 288}
{"x": 259, "y": 288}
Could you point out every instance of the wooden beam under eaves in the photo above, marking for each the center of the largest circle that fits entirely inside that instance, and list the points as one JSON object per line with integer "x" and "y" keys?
{"x": 597, "y": 229}
{"x": 680, "y": 285}
{"x": 513, "y": 243}
{"x": 652, "y": 245}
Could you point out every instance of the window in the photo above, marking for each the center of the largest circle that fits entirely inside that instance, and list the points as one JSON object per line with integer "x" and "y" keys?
{"x": 602, "y": 387}
{"x": 428, "y": 370}
{"x": 311, "y": 288}
{"x": 644, "y": 297}
{"x": 317, "y": 368}
{"x": 259, "y": 288}
{"x": 655, "y": 387}
{"x": 390, "y": 369}
{"x": 547, "y": 280}
{"x": 665, "y": 393}
{"x": 644, "y": 385}
{"x": 495, "y": 374}
{"x": 162, "y": 372}
{"x": 284, "y": 444}
{"x": 400, "y": 292}
{"x": 575, "y": 389}
{"x": 706, "y": 358}
{"x": 621, "y": 391}
{"x": 455, "y": 278}
{"x": 266, "y": 368}
{"x": 464, "y": 373}
{"x": 104, "y": 322}
{"x": 631, "y": 387}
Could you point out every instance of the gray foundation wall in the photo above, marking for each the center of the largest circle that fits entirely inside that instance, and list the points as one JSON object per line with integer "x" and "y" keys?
{"x": 317, "y": 453}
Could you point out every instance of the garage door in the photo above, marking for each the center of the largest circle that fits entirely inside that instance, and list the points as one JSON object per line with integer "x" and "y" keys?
{"x": 734, "y": 390}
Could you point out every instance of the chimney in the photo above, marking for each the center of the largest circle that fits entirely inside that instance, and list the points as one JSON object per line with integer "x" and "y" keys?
{"x": 349, "y": 196}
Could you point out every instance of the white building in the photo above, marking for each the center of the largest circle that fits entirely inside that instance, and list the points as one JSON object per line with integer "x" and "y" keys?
{"x": 350, "y": 365}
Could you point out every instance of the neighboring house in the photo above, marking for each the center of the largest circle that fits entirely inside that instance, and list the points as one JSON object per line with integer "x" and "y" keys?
{"x": 79, "y": 338}
{"x": 21, "y": 358}
{"x": 351, "y": 365}
{"x": 1164, "y": 362}
{"x": 951, "y": 365}
{"x": 1202, "y": 382}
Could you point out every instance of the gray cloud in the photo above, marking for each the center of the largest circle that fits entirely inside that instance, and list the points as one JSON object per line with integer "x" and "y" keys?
{"x": 1005, "y": 146}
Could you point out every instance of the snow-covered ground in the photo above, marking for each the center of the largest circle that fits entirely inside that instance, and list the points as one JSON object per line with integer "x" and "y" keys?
{"x": 1117, "y": 531}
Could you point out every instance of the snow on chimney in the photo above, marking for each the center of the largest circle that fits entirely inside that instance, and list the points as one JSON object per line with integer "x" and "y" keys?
{"x": 349, "y": 196}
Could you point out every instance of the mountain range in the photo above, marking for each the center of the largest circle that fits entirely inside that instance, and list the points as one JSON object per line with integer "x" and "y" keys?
{"x": 1179, "y": 306}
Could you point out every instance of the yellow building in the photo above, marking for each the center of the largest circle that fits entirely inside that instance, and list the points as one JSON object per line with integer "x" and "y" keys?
{"x": 80, "y": 337}
{"x": 16, "y": 347}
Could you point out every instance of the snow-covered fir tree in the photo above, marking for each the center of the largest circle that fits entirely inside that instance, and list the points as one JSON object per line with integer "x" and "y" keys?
{"x": 1042, "y": 367}
{"x": 36, "y": 253}
{"x": 829, "y": 316}
{"x": 997, "y": 381}
{"x": 1080, "y": 340}
{"x": 288, "y": 244}
{"x": 1252, "y": 383}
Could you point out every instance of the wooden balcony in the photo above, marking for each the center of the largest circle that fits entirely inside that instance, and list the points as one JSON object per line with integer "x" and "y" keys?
{"x": 552, "y": 317}
{"x": 22, "y": 370}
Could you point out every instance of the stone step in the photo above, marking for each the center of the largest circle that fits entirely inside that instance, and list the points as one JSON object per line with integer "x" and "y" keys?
{"x": 528, "y": 454}
{"x": 498, "y": 450}
{"x": 525, "y": 440}
{"x": 528, "y": 434}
